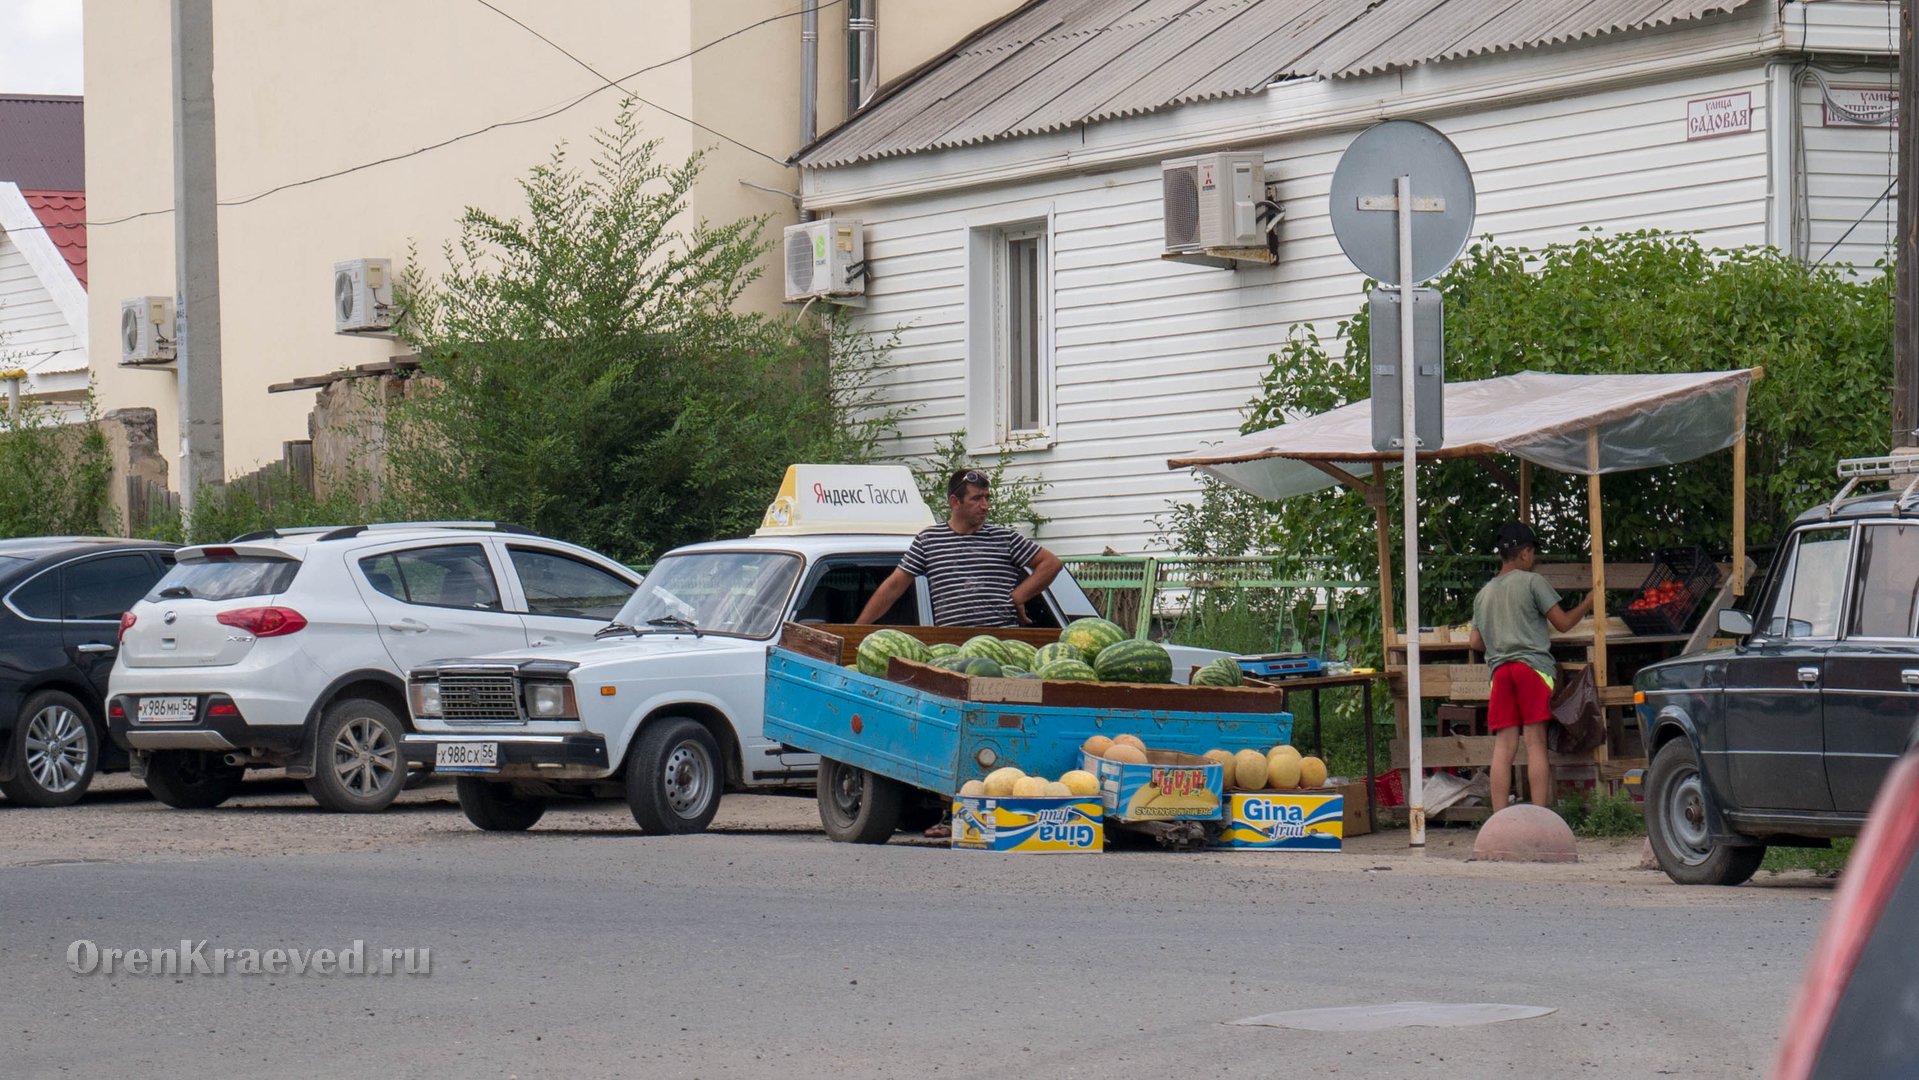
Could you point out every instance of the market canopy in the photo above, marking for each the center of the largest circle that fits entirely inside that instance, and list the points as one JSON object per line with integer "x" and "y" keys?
{"x": 1581, "y": 424}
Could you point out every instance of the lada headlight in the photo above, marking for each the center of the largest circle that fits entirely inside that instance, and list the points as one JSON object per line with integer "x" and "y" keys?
{"x": 551, "y": 701}
{"x": 424, "y": 698}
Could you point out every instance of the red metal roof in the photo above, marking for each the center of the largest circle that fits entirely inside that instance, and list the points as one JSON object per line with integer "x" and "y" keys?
{"x": 64, "y": 213}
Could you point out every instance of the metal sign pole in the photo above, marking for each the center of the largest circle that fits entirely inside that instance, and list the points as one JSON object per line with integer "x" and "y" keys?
{"x": 1409, "y": 475}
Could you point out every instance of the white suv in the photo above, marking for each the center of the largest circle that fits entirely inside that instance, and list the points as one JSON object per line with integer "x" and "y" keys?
{"x": 289, "y": 648}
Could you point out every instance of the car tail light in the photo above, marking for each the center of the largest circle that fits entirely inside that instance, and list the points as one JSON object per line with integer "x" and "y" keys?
{"x": 265, "y": 621}
{"x": 222, "y": 707}
{"x": 1872, "y": 874}
{"x": 127, "y": 620}
{"x": 115, "y": 710}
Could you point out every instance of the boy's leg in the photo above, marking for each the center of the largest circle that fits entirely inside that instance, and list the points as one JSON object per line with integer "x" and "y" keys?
{"x": 1539, "y": 771}
{"x": 1505, "y": 748}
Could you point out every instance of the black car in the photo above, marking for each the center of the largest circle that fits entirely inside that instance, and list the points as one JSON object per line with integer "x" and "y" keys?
{"x": 1786, "y": 737}
{"x": 61, "y": 599}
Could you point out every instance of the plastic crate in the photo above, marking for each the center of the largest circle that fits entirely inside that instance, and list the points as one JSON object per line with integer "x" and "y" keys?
{"x": 1695, "y": 573}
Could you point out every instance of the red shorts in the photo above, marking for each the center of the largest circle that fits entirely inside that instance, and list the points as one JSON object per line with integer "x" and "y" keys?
{"x": 1520, "y": 696}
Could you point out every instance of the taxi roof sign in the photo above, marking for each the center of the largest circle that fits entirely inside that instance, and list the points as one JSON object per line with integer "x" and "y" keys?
{"x": 817, "y": 499}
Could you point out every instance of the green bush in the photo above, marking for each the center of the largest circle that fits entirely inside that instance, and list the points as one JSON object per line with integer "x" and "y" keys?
{"x": 55, "y": 477}
{"x": 1608, "y": 814}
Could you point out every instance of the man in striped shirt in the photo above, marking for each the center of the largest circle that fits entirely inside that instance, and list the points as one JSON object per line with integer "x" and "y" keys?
{"x": 978, "y": 574}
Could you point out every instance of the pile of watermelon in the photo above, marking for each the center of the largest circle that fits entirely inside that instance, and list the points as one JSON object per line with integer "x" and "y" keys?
{"x": 1088, "y": 650}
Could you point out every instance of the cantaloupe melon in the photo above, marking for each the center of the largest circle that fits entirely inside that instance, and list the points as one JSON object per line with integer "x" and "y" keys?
{"x": 999, "y": 782}
{"x": 1224, "y": 759}
{"x": 1131, "y": 755}
{"x": 1081, "y": 782}
{"x": 1249, "y": 770}
{"x": 1283, "y": 750}
{"x": 1096, "y": 745}
{"x": 1312, "y": 772}
{"x": 972, "y": 789}
{"x": 1057, "y": 790}
{"x": 1029, "y": 787}
{"x": 1130, "y": 740}
{"x": 1282, "y": 772}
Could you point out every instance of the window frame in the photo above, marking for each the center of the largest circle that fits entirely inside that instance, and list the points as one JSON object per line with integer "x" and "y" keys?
{"x": 1852, "y": 582}
{"x": 1779, "y": 590}
{"x": 990, "y": 349}
{"x": 526, "y": 599}
{"x": 486, "y": 559}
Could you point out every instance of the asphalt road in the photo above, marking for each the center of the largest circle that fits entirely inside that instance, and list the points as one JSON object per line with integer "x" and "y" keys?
{"x": 583, "y": 949}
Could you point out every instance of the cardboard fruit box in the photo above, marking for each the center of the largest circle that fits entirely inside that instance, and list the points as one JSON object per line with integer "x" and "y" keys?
{"x": 1170, "y": 786}
{"x": 1070, "y": 825}
{"x": 1311, "y": 819}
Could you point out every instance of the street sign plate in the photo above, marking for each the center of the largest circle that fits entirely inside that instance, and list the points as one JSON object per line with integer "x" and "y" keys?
{"x": 1364, "y": 209}
{"x": 1429, "y": 365}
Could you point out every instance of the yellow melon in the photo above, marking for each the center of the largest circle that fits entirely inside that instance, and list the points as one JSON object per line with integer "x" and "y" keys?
{"x": 1096, "y": 745}
{"x": 999, "y": 782}
{"x": 1312, "y": 772}
{"x": 972, "y": 789}
{"x": 1057, "y": 790}
{"x": 1029, "y": 787}
{"x": 1081, "y": 782}
{"x": 1249, "y": 770}
{"x": 1130, "y": 740}
{"x": 1283, "y": 750}
{"x": 1223, "y": 758}
{"x": 1282, "y": 772}
{"x": 1131, "y": 755}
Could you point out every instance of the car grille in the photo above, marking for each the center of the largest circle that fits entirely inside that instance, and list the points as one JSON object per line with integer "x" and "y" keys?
{"x": 479, "y": 697}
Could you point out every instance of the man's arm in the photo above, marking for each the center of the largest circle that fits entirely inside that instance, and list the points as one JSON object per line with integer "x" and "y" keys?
{"x": 1045, "y": 567}
{"x": 890, "y": 590}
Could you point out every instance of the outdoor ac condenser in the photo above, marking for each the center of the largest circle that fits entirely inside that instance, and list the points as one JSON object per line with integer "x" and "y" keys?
{"x": 1212, "y": 201}
{"x": 363, "y": 296}
{"x": 825, "y": 260}
{"x": 146, "y": 330}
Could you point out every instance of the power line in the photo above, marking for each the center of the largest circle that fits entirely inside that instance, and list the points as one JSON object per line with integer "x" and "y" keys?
{"x": 443, "y": 143}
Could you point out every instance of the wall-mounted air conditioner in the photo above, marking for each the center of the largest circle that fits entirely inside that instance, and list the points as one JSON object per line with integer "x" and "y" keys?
{"x": 825, "y": 260}
{"x": 363, "y": 296}
{"x": 1218, "y": 204}
{"x": 146, "y": 330}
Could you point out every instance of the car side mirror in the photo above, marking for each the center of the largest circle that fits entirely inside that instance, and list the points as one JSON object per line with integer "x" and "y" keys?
{"x": 1735, "y": 623}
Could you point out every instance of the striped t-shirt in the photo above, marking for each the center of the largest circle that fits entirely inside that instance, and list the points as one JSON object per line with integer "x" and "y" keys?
{"x": 971, "y": 575}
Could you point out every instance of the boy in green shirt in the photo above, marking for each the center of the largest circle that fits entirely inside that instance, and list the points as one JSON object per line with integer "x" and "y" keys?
{"x": 1510, "y": 619}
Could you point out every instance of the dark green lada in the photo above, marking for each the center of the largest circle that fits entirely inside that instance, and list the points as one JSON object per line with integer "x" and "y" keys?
{"x": 1785, "y": 737}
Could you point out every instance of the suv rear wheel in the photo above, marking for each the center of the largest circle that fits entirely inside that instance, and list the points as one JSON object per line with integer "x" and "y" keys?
{"x": 673, "y": 777}
{"x": 192, "y": 779}
{"x": 55, "y": 750}
{"x": 357, "y": 766}
{"x": 1680, "y": 829}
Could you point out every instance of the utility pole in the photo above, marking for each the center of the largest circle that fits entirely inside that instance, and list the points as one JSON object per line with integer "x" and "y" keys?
{"x": 1905, "y": 351}
{"x": 196, "y": 252}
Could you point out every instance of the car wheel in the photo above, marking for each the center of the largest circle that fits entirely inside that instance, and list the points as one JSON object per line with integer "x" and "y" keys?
{"x": 857, "y": 807}
{"x": 1680, "y": 828}
{"x": 495, "y": 807}
{"x": 192, "y": 779}
{"x": 357, "y": 764}
{"x": 56, "y": 748}
{"x": 673, "y": 777}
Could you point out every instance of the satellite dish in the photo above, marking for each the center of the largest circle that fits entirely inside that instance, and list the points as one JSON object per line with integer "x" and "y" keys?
{"x": 1370, "y": 168}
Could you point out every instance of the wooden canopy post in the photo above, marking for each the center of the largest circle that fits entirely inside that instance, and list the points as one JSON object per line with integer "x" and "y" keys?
{"x": 1376, "y": 495}
{"x": 1525, "y": 491}
{"x": 1739, "y": 511}
{"x": 1597, "y": 521}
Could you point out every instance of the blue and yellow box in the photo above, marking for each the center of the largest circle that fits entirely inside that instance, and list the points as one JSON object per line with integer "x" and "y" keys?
{"x": 1284, "y": 821}
{"x": 1039, "y": 825}
{"x": 1171, "y": 786}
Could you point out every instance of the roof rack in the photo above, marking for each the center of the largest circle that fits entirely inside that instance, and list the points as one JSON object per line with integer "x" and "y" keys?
{"x": 281, "y": 534}
{"x": 1889, "y": 468}
{"x": 386, "y": 526}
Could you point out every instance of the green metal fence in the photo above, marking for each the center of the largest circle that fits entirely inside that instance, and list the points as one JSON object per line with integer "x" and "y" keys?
{"x": 1286, "y": 604}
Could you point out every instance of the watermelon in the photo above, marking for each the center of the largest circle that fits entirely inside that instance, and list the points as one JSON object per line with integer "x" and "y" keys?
{"x": 1021, "y": 653}
{"x": 1021, "y": 675}
{"x": 1058, "y": 650}
{"x": 944, "y": 648}
{"x": 1089, "y": 636}
{"x": 987, "y": 647}
{"x": 1069, "y": 671}
{"x": 949, "y": 663}
{"x": 977, "y": 666}
{"x": 881, "y": 646}
{"x": 1134, "y": 662}
{"x": 1221, "y": 672}
{"x": 1013, "y": 671}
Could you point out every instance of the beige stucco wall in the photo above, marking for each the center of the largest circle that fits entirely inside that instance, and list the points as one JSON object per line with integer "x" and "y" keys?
{"x": 306, "y": 88}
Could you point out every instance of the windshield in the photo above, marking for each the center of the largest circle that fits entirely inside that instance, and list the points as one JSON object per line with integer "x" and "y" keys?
{"x": 743, "y": 593}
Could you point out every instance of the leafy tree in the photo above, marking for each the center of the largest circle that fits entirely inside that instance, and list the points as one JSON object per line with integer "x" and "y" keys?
{"x": 55, "y": 476}
{"x": 1014, "y": 497}
{"x": 592, "y": 378}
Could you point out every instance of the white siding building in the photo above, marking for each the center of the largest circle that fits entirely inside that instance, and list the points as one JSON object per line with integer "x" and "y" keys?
{"x": 1011, "y": 194}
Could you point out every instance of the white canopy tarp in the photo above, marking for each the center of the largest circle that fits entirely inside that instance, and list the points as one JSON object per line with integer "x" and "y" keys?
{"x": 1547, "y": 419}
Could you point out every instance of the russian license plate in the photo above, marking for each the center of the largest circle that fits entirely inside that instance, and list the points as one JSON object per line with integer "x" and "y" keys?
{"x": 466, "y": 756}
{"x": 168, "y": 710}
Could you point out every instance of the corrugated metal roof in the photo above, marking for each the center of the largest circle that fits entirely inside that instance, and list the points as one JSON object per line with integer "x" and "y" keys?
{"x": 1058, "y": 63}
{"x": 42, "y": 142}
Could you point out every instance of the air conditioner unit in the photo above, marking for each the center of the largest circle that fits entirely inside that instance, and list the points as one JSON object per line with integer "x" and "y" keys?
{"x": 1212, "y": 201}
{"x": 825, "y": 260}
{"x": 146, "y": 330}
{"x": 363, "y": 296}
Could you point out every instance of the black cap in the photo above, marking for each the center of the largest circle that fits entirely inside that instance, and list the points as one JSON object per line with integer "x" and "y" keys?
{"x": 1513, "y": 536}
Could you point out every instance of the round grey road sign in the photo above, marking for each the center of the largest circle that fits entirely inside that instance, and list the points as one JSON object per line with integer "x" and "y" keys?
{"x": 1364, "y": 200}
